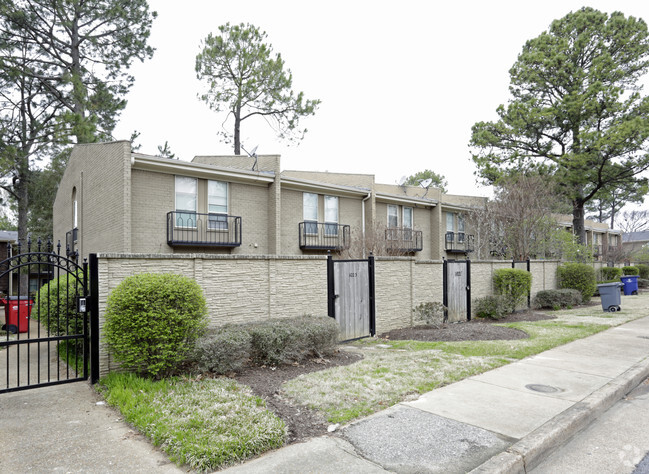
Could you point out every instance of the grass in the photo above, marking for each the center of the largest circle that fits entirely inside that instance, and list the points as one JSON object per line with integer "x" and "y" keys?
{"x": 213, "y": 423}
{"x": 205, "y": 424}
{"x": 395, "y": 371}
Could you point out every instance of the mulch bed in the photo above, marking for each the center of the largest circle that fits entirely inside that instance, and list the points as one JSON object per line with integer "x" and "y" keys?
{"x": 304, "y": 423}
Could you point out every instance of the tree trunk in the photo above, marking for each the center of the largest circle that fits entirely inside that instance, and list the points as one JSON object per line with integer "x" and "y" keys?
{"x": 237, "y": 130}
{"x": 578, "y": 226}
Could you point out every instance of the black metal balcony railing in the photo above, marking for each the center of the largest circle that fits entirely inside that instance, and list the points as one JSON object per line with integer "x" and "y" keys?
{"x": 203, "y": 230}
{"x": 459, "y": 242}
{"x": 71, "y": 237}
{"x": 403, "y": 239}
{"x": 324, "y": 236}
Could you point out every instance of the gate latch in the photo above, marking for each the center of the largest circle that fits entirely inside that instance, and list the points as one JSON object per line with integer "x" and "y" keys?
{"x": 82, "y": 304}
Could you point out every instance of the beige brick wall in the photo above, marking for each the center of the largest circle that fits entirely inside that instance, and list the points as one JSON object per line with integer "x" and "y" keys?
{"x": 99, "y": 173}
{"x": 153, "y": 197}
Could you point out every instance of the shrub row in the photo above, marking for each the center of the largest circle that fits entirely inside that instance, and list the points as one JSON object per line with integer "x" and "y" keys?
{"x": 557, "y": 299}
{"x": 630, "y": 270}
{"x": 282, "y": 341}
{"x": 643, "y": 271}
{"x": 607, "y": 274}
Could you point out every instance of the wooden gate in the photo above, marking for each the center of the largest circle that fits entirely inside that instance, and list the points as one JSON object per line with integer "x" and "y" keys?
{"x": 351, "y": 297}
{"x": 457, "y": 290}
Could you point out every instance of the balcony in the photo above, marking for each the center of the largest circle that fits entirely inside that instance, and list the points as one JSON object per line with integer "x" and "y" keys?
{"x": 324, "y": 236}
{"x": 193, "y": 229}
{"x": 598, "y": 250}
{"x": 403, "y": 239}
{"x": 71, "y": 238}
{"x": 458, "y": 242}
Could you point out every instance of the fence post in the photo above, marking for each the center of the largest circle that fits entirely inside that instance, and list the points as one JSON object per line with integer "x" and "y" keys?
{"x": 94, "y": 319}
{"x": 371, "y": 272}
{"x": 331, "y": 295}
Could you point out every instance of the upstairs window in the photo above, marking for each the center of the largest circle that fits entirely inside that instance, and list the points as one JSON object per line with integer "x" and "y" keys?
{"x": 186, "y": 197}
{"x": 393, "y": 216}
{"x": 310, "y": 212}
{"x": 331, "y": 215}
{"x": 217, "y": 205}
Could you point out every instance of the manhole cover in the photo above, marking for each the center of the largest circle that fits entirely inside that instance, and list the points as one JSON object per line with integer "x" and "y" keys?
{"x": 542, "y": 388}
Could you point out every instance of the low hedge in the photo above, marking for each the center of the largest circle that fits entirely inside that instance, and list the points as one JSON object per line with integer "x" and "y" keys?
{"x": 630, "y": 270}
{"x": 643, "y": 271}
{"x": 608, "y": 274}
{"x": 513, "y": 284}
{"x": 580, "y": 277}
{"x": 557, "y": 299}
{"x": 276, "y": 342}
{"x": 491, "y": 307}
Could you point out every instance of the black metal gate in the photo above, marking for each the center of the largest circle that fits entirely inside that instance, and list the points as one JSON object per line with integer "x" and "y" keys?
{"x": 48, "y": 311}
{"x": 456, "y": 279}
{"x": 351, "y": 297}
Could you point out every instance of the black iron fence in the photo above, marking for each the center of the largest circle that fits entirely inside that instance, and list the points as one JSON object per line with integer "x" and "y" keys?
{"x": 324, "y": 236}
{"x": 208, "y": 230}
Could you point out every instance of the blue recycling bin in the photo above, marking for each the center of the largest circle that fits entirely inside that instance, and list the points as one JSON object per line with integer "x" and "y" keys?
{"x": 630, "y": 284}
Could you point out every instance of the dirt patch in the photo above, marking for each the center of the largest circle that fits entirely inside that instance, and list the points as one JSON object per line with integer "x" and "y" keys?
{"x": 474, "y": 330}
{"x": 304, "y": 423}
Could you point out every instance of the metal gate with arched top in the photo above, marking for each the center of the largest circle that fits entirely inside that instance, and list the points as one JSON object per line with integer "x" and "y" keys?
{"x": 48, "y": 311}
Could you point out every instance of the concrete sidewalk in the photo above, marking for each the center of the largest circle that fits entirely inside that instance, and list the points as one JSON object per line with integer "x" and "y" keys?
{"x": 505, "y": 420}
{"x": 499, "y": 421}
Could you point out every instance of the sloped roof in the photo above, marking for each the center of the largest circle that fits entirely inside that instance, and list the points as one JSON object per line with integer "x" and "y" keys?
{"x": 636, "y": 236}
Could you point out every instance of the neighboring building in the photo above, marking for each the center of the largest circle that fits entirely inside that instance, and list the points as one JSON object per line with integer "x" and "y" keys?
{"x": 605, "y": 242}
{"x": 113, "y": 200}
{"x": 7, "y": 239}
{"x": 634, "y": 241}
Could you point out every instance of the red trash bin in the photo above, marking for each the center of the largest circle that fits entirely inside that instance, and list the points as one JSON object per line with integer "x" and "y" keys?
{"x": 17, "y": 311}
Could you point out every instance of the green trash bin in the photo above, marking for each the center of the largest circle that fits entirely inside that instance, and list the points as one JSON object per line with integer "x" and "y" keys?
{"x": 610, "y": 294}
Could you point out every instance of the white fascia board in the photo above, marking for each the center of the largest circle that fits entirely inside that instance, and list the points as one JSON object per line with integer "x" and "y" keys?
{"x": 198, "y": 170}
{"x": 314, "y": 186}
{"x": 413, "y": 201}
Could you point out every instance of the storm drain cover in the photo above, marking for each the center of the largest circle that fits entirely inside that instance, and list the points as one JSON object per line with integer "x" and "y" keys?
{"x": 542, "y": 388}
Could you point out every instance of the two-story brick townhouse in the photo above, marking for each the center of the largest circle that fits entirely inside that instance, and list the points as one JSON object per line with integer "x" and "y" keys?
{"x": 111, "y": 199}
{"x": 605, "y": 242}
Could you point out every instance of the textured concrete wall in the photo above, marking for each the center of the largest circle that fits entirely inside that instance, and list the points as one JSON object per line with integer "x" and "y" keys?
{"x": 240, "y": 289}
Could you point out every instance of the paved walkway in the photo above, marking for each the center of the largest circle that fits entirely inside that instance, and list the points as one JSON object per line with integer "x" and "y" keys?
{"x": 499, "y": 421}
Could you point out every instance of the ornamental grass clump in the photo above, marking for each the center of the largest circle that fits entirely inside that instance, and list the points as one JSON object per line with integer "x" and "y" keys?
{"x": 153, "y": 321}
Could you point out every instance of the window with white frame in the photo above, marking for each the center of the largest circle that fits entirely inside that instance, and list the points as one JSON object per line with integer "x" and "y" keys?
{"x": 407, "y": 223}
{"x": 186, "y": 197}
{"x": 217, "y": 205}
{"x": 310, "y": 212}
{"x": 460, "y": 228}
{"x": 450, "y": 227}
{"x": 393, "y": 221}
{"x": 331, "y": 215}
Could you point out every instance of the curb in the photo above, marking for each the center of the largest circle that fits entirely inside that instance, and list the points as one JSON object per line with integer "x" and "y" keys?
{"x": 529, "y": 450}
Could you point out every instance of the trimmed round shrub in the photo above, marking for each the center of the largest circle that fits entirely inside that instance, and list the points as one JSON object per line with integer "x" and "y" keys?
{"x": 153, "y": 321}
{"x": 580, "y": 277}
{"x": 513, "y": 284}
{"x": 491, "y": 307}
{"x": 225, "y": 350}
{"x": 610, "y": 274}
{"x": 643, "y": 271}
{"x": 630, "y": 270}
{"x": 557, "y": 299}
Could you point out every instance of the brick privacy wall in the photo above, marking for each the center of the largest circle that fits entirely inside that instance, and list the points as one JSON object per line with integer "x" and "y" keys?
{"x": 104, "y": 214}
{"x": 241, "y": 289}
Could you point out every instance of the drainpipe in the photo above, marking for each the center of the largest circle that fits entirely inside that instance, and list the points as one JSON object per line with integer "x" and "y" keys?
{"x": 369, "y": 195}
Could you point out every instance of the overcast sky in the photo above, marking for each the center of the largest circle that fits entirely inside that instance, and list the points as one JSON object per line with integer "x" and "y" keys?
{"x": 401, "y": 82}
